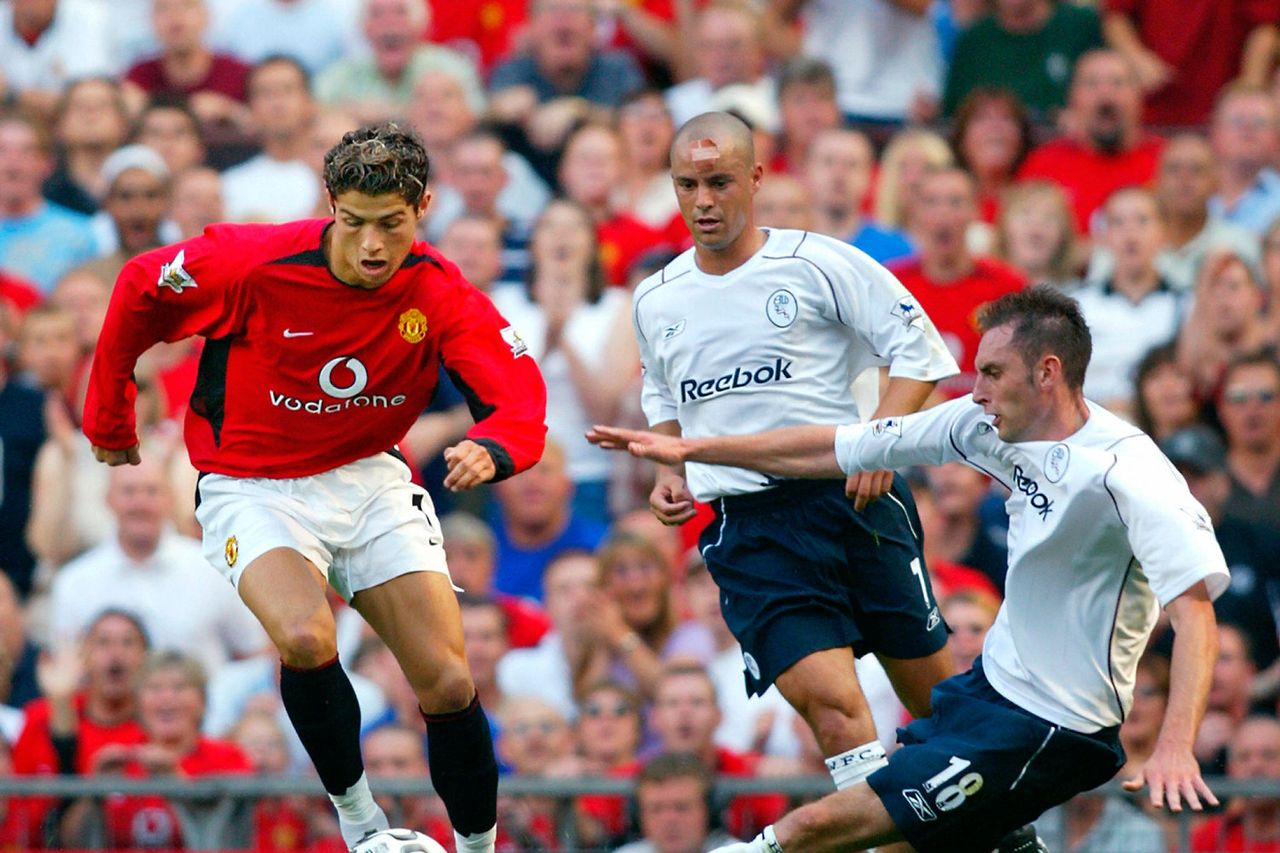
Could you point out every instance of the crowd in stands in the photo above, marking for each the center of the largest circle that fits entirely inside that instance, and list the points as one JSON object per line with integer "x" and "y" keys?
{"x": 1126, "y": 151}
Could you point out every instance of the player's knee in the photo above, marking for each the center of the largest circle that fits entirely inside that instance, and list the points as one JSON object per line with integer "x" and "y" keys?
{"x": 451, "y": 690}
{"x": 306, "y": 643}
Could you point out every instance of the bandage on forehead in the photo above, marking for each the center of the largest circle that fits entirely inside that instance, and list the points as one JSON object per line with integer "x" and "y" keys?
{"x": 703, "y": 153}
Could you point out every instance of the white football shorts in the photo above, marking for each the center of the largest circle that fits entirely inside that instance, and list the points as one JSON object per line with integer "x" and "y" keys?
{"x": 361, "y": 524}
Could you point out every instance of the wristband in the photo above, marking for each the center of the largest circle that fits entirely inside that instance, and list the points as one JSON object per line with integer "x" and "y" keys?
{"x": 770, "y": 839}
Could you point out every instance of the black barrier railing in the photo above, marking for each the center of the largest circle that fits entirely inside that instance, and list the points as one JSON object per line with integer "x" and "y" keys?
{"x": 207, "y": 806}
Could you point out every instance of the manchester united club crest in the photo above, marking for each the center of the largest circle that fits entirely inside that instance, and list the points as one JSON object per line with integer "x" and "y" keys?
{"x": 413, "y": 325}
{"x": 231, "y": 552}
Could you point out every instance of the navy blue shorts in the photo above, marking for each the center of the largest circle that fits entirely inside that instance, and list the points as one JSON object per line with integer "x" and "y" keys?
{"x": 800, "y": 571}
{"x": 980, "y": 767}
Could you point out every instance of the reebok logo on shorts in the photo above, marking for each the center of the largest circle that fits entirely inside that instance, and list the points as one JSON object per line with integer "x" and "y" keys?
{"x": 917, "y": 802}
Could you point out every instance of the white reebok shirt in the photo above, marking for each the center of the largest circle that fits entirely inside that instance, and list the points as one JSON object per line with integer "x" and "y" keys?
{"x": 776, "y": 342}
{"x": 1102, "y": 532}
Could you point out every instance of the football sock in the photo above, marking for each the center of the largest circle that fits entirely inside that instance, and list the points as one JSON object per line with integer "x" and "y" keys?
{"x": 477, "y": 842}
{"x": 323, "y": 709}
{"x": 463, "y": 768}
{"x": 849, "y": 768}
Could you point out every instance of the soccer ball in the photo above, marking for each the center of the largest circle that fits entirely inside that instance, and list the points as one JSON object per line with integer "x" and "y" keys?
{"x": 398, "y": 841}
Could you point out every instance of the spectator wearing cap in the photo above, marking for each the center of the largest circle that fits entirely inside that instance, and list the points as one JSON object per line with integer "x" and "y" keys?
{"x": 39, "y": 240}
{"x": 1245, "y": 132}
{"x": 1249, "y": 407}
{"x": 838, "y": 176}
{"x": 1249, "y": 824}
{"x": 1027, "y": 47}
{"x": 1105, "y": 146}
{"x": 1251, "y": 550}
{"x": 378, "y": 86}
{"x": 187, "y": 69}
{"x": 1225, "y": 320}
{"x": 727, "y": 47}
{"x": 90, "y": 122}
{"x": 134, "y": 210}
{"x": 47, "y": 44}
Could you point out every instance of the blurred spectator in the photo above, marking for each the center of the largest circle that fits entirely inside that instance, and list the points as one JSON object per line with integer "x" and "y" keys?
{"x": 806, "y": 107}
{"x": 747, "y": 723}
{"x": 959, "y": 535}
{"x": 375, "y": 661}
{"x": 561, "y": 58}
{"x": 132, "y": 219}
{"x": 1249, "y": 824}
{"x": 211, "y": 84}
{"x": 49, "y": 352}
{"x": 838, "y": 174}
{"x": 1135, "y": 308}
{"x": 87, "y": 717}
{"x": 1035, "y": 233}
{"x": 644, "y": 192}
{"x": 1141, "y": 727}
{"x": 783, "y": 202}
{"x": 172, "y": 130}
{"x": 609, "y": 728}
{"x": 1225, "y": 321}
{"x": 1271, "y": 278}
{"x": 1027, "y": 47}
{"x": 45, "y": 44}
{"x": 537, "y": 521}
{"x": 313, "y": 32}
{"x": 908, "y": 157}
{"x": 1233, "y": 673}
{"x": 634, "y": 618}
{"x": 484, "y": 631}
{"x": 197, "y": 201}
{"x": 947, "y": 577}
{"x": 1164, "y": 396}
{"x": 557, "y": 669}
{"x": 395, "y": 752}
{"x": 1102, "y": 824}
{"x": 1245, "y": 131}
{"x": 276, "y": 185}
{"x": 85, "y": 297}
{"x": 156, "y": 573}
{"x": 474, "y": 243}
{"x": 17, "y": 295}
{"x": 1185, "y": 52}
{"x": 1185, "y": 181}
{"x": 1104, "y": 147}
{"x": 991, "y": 136}
{"x": 17, "y": 654}
{"x": 885, "y": 54}
{"x": 483, "y": 31}
{"x": 535, "y": 737}
{"x": 39, "y": 240}
{"x": 1250, "y": 411}
{"x": 948, "y": 280}
{"x": 91, "y": 122}
{"x": 685, "y": 716}
{"x": 969, "y": 613}
{"x": 579, "y": 330}
{"x": 470, "y": 549}
{"x": 22, "y": 431}
{"x": 171, "y": 700}
{"x": 727, "y": 49}
{"x": 379, "y": 86}
{"x": 1252, "y": 552}
{"x": 673, "y": 794}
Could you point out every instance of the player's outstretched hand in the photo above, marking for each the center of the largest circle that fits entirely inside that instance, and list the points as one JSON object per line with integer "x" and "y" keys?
{"x": 867, "y": 486}
{"x": 118, "y": 457}
{"x": 469, "y": 466}
{"x": 1173, "y": 777}
{"x": 663, "y": 449}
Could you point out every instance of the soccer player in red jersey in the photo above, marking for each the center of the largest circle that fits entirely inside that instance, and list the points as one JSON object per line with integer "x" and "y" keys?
{"x": 323, "y": 343}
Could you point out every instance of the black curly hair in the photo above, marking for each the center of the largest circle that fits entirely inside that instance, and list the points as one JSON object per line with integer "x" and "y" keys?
{"x": 383, "y": 158}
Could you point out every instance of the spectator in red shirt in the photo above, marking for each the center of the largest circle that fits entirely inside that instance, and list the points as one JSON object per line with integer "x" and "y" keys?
{"x": 483, "y": 30}
{"x": 18, "y": 294}
{"x": 609, "y": 728}
{"x": 1105, "y": 146}
{"x": 212, "y": 83}
{"x": 534, "y": 742}
{"x": 948, "y": 280}
{"x": 970, "y": 613}
{"x": 1250, "y": 824}
{"x": 1184, "y": 51}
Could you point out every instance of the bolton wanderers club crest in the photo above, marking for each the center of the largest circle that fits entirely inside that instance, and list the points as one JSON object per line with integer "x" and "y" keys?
{"x": 231, "y": 552}
{"x": 781, "y": 308}
{"x": 413, "y": 325}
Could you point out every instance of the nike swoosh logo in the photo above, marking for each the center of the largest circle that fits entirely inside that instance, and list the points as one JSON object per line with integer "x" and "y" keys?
{"x": 289, "y": 334}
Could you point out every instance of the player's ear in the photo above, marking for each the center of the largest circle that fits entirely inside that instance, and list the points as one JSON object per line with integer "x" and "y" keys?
{"x": 333, "y": 202}
{"x": 425, "y": 202}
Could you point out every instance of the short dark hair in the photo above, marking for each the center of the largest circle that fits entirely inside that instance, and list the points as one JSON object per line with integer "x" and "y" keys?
{"x": 472, "y": 601}
{"x": 377, "y": 159}
{"x": 806, "y": 71}
{"x": 1265, "y": 357}
{"x": 277, "y": 59}
{"x": 1045, "y": 321}
{"x": 675, "y": 765}
{"x": 120, "y": 613}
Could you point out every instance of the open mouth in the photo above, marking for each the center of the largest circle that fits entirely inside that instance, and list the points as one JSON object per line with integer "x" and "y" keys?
{"x": 706, "y": 223}
{"x": 373, "y": 268}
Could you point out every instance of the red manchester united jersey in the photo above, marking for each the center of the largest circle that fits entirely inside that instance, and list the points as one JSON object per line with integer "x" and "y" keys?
{"x": 301, "y": 373}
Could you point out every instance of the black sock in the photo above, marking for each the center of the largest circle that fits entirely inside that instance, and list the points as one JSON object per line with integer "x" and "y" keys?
{"x": 463, "y": 768}
{"x": 322, "y": 706}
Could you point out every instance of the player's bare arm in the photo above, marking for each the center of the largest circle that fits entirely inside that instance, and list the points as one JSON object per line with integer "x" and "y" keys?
{"x": 1172, "y": 774}
{"x": 795, "y": 451}
{"x": 902, "y": 396}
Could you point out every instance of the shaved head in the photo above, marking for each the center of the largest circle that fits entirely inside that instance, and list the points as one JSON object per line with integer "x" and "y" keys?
{"x": 725, "y": 135}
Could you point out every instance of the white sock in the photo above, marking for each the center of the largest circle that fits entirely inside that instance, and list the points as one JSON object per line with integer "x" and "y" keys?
{"x": 476, "y": 842}
{"x": 849, "y": 768}
{"x": 358, "y": 814}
